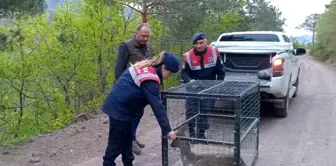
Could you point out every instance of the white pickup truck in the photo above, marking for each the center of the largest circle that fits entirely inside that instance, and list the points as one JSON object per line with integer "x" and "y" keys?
{"x": 267, "y": 56}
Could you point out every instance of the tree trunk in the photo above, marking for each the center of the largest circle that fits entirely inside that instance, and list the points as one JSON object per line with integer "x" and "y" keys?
{"x": 314, "y": 29}
{"x": 21, "y": 103}
{"x": 66, "y": 95}
{"x": 313, "y": 38}
{"x": 181, "y": 49}
{"x": 144, "y": 13}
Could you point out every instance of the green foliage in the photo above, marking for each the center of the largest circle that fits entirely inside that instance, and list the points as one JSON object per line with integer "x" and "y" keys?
{"x": 8, "y": 7}
{"x": 172, "y": 81}
{"x": 227, "y": 23}
{"x": 26, "y": 94}
{"x": 324, "y": 49}
{"x": 310, "y": 22}
{"x": 297, "y": 43}
{"x": 52, "y": 70}
{"x": 309, "y": 45}
{"x": 260, "y": 15}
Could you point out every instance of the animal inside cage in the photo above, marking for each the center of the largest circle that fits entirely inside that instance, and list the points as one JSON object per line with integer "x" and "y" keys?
{"x": 217, "y": 123}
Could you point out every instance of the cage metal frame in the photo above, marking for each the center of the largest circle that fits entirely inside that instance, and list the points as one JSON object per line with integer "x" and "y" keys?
{"x": 237, "y": 105}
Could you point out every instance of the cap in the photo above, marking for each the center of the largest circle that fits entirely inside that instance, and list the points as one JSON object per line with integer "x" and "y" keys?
{"x": 198, "y": 36}
{"x": 171, "y": 62}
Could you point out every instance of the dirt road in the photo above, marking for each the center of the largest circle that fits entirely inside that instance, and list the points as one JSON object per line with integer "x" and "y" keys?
{"x": 305, "y": 138}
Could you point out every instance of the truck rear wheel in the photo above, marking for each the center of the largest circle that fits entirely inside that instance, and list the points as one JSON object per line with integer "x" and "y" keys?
{"x": 283, "y": 112}
{"x": 296, "y": 84}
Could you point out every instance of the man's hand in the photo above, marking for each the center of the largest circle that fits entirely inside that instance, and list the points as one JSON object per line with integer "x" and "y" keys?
{"x": 172, "y": 135}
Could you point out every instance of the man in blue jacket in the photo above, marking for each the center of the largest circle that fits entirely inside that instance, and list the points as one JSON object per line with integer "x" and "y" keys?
{"x": 202, "y": 62}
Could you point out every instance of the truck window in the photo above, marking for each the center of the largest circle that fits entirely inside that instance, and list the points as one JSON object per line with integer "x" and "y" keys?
{"x": 251, "y": 37}
{"x": 286, "y": 39}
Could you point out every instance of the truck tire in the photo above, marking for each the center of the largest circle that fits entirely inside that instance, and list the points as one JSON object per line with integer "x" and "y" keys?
{"x": 283, "y": 112}
{"x": 296, "y": 84}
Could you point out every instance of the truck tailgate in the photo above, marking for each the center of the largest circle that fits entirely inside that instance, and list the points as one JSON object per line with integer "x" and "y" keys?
{"x": 246, "y": 62}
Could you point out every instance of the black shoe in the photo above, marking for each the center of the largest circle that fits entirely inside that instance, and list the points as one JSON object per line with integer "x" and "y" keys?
{"x": 192, "y": 133}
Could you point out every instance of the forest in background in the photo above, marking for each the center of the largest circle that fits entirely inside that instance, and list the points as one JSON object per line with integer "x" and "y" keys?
{"x": 54, "y": 66}
{"x": 324, "y": 26}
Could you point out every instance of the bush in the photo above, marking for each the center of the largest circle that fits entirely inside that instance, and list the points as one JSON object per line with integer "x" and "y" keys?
{"x": 51, "y": 71}
{"x": 324, "y": 48}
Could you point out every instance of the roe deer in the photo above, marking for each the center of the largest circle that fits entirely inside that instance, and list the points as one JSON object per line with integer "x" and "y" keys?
{"x": 191, "y": 159}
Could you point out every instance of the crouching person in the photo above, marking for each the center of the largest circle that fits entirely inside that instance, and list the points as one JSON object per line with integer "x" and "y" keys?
{"x": 136, "y": 87}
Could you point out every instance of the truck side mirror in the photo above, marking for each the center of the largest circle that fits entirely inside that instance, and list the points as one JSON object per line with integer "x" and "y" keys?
{"x": 300, "y": 51}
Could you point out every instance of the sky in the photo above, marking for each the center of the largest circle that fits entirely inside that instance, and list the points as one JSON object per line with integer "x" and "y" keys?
{"x": 295, "y": 12}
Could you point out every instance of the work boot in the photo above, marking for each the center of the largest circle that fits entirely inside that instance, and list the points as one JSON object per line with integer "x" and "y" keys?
{"x": 135, "y": 148}
{"x": 141, "y": 145}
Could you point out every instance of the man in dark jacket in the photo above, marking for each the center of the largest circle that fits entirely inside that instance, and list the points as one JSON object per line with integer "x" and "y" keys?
{"x": 133, "y": 50}
{"x": 130, "y": 52}
{"x": 202, "y": 62}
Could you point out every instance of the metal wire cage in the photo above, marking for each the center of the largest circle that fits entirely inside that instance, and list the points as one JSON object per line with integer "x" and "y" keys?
{"x": 217, "y": 123}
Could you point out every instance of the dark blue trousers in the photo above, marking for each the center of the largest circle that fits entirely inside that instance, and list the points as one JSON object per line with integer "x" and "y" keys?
{"x": 195, "y": 107}
{"x": 135, "y": 124}
{"x": 119, "y": 142}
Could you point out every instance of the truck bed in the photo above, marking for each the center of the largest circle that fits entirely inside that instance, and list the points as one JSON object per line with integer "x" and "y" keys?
{"x": 247, "y": 76}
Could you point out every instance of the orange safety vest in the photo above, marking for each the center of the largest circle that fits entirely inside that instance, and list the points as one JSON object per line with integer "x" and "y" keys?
{"x": 209, "y": 58}
{"x": 140, "y": 75}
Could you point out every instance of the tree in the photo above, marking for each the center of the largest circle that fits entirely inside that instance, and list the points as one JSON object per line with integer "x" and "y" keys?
{"x": 328, "y": 6}
{"x": 9, "y": 7}
{"x": 144, "y": 7}
{"x": 260, "y": 15}
{"x": 50, "y": 71}
{"x": 310, "y": 24}
{"x": 185, "y": 17}
{"x": 18, "y": 8}
{"x": 324, "y": 49}
{"x": 297, "y": 43}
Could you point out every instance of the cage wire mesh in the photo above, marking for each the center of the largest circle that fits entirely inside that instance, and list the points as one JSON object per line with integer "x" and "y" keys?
{"x": 217, "y": 123}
